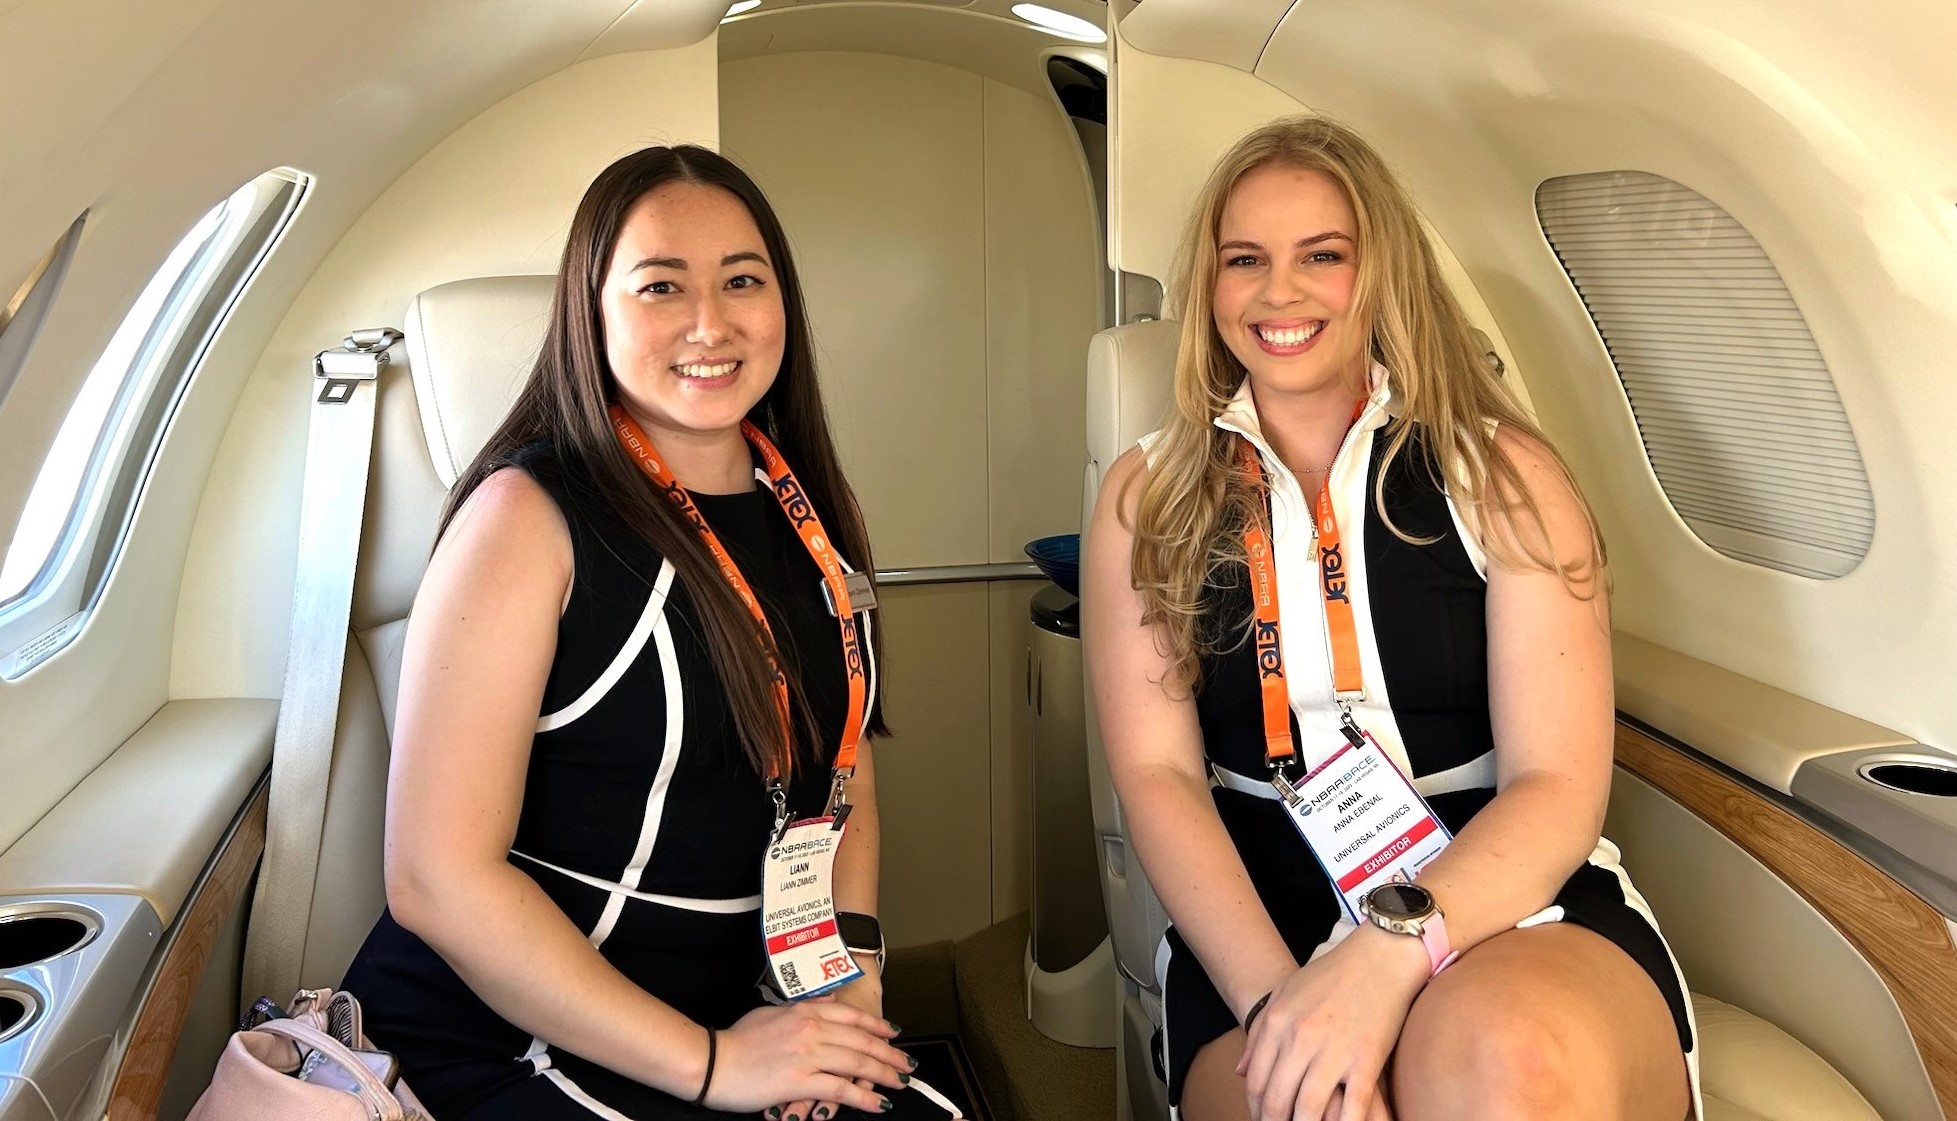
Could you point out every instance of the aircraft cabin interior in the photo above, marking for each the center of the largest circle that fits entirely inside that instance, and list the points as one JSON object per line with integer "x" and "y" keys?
{"x": 1711, "y": 244}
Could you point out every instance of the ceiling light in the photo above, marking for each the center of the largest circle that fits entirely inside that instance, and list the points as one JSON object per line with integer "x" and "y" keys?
{"x": 743, "y": 6}
{"x": 1060, "y": 23}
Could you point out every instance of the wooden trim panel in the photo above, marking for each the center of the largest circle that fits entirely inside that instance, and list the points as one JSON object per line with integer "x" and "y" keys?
{"x": 145, "y": 1068}
{"x": 1905, "y": 940}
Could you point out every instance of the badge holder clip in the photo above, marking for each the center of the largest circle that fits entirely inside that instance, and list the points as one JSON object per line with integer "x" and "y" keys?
{"x": 780, "y": 795}
{"x": 1348, "y": 727}
{"x": 1281, "y": 782}
{"x": 838, "y": 805}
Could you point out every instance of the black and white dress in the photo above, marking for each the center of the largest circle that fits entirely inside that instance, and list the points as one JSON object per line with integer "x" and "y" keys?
{"x": 642, "y": 819}
{"x": 1423, "y": 636}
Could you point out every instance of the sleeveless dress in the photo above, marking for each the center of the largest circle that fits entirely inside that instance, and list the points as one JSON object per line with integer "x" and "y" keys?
{"x": 642, "y": 819}
{"x": 1423, "y": 635}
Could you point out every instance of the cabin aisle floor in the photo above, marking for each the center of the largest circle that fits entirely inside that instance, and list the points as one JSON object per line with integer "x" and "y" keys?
{"x": 1027, "y": 1077}
{"x": 975, "y": 987}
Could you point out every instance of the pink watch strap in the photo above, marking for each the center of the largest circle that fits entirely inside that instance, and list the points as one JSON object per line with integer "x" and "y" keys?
{"x": 1433, "y": 935}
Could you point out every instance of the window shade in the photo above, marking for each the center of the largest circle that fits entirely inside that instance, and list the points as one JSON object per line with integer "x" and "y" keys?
{"x": 1738, "y": 412}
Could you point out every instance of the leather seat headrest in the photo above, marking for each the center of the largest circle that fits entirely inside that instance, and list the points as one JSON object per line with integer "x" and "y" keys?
{"x": 471, "y": 343}
{"x": 1131, "y": 373}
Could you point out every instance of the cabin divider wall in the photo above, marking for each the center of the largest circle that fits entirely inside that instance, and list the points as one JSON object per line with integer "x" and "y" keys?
{"x": 945, "y": 229}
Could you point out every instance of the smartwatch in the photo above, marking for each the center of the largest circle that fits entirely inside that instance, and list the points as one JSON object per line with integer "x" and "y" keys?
{"x": 1410, "y": 909}
{"x": 862, "y": 934}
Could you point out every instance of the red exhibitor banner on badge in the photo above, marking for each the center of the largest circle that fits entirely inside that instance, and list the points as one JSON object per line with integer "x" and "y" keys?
{"x": 1387, "y": 855}
{"x": 793, "y": 938}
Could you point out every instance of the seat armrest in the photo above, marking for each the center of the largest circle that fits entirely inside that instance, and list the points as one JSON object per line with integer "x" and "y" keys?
{"x": 1754, "y": 728}
{"x": 170, "y": 792}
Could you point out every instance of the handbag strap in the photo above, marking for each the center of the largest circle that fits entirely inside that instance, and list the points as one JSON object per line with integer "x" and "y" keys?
{"x": 373, "y": 1093}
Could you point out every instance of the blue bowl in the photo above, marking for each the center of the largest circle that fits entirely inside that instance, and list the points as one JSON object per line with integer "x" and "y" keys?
{"x": 1059, "y": 558}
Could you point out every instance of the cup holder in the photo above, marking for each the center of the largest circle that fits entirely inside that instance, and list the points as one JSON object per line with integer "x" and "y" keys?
{"x": 18, "y": 1010}
{"x": 35, "y": 932}
{"x": 1913, "y": 776}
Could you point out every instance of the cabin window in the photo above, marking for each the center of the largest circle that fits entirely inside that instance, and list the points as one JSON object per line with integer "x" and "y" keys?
{"x": 1737, "y": 409}
{"x": 59, "y": 556}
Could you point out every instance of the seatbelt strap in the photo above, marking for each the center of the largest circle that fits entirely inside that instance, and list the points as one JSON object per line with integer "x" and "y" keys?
{"x": 339, "y": 448}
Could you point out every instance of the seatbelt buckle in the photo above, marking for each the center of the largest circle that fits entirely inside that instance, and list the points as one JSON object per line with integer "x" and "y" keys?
{"x": 361, "y": 356}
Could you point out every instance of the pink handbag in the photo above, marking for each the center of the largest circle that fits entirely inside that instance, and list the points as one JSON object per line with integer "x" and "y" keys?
{"x": 257, "y": 1077}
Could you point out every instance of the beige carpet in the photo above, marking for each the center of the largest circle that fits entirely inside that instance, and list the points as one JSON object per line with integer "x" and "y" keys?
{"x": 1027, "y": 1077}
{"x": 975, "y": 989}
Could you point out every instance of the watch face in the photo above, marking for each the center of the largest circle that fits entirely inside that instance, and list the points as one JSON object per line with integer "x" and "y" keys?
{"x": 1399, "y": 901}
{"x": 860, "y": 932}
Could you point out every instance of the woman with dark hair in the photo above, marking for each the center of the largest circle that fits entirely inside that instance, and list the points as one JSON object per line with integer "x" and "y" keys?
{"x": 642, "y": 649}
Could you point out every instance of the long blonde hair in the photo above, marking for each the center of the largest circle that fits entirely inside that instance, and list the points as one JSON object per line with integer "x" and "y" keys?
{"x": 1195, "y": 502}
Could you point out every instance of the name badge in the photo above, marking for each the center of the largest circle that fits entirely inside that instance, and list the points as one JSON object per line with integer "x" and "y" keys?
{"x": 862, "y": 594}
{"x": 1364, "y": 822}
{"x": 806, "y": 955}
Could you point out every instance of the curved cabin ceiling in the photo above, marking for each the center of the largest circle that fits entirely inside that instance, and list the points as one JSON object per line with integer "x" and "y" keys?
{"x": 976, "y": 35}
{"x": 208, "y": 88}
{"x": 146, "y": 114}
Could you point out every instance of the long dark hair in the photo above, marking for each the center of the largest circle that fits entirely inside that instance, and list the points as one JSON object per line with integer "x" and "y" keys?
{"x": 565, "y": 403}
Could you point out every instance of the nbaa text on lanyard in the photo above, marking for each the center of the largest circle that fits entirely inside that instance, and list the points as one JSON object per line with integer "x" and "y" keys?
{"x": 795, "y": 504}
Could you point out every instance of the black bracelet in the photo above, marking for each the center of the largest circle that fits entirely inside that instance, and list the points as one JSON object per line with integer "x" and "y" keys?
{"x": 712, "y": 1047}
{"x": 1250, "y": 1017}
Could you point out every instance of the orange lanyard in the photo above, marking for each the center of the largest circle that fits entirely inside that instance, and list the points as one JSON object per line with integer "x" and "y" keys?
{"x": 801, "y": 514}
{"x": 1348, "y": 676}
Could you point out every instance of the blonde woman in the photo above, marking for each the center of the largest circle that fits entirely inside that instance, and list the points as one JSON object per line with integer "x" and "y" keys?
{"x": 1348, "y": 632}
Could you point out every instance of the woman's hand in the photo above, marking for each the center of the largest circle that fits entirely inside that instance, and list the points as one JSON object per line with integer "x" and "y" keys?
{"x": 1378, "y": 1110}
{"x": 864, "y": 995}
{"x": 1329, "y": 1028}
{"x": 813, "y": 1051}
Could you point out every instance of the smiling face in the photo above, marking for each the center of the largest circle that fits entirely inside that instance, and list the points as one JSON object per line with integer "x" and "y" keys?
{"x": 694, "y": 320}
{"x": 1287, "y": 260}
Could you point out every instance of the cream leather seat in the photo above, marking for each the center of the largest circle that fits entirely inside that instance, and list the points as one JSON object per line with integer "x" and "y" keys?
{"x": 469, "y": 347}
{"x": 1128, "y": 388}
{"x": 1750, "y": 1070}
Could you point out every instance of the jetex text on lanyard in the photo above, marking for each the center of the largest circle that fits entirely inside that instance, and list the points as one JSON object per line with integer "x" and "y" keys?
{"x": 1348, "y": 677}
{"x": 1358, "y": 813}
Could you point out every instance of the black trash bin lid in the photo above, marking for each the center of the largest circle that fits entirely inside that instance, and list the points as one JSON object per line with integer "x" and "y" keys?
{"x": 1054, "y": 610}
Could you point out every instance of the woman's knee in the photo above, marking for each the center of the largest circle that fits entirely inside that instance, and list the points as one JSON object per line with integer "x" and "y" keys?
{"x": 1489, "y": 1059}
{"x": 1213, "y": 1090}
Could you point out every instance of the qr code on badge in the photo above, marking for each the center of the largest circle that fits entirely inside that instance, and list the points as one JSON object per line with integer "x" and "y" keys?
{"x": 791, "y": 982}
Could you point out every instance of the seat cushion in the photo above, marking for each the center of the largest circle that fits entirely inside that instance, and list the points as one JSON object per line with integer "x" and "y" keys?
{"x": 1750, "y": 1070}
